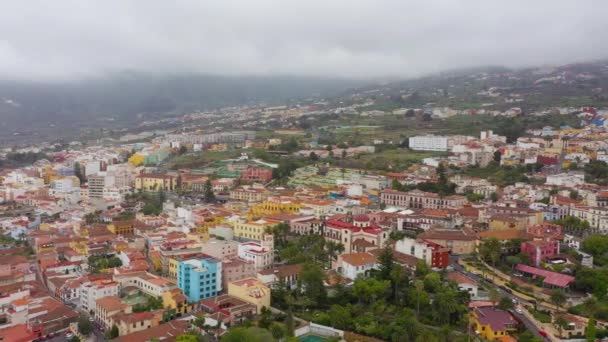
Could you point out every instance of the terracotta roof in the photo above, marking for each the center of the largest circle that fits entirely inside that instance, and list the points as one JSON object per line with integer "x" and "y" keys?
{"x": 447, "y": 234}
{"x": 358, "y": 259}
{"x": 460, "y": 278}
{"x": 504, "y": 234}
{"x": 283, "y": 270}
{"x": 111, "y": 303}
{"x": 166, "y": 332}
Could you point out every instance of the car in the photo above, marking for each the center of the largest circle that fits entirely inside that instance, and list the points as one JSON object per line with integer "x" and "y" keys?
{"x": 474, "y": 272}
{"x": 518, "y": 275}
{"x": 543, "y": 333}
{"x": 514, "y": 300}
{"x": 519, "y": 311}
{"x": 69, "y": 336}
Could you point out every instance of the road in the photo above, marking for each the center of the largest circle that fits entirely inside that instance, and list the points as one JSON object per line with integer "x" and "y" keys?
{"x": 521, "y": 317}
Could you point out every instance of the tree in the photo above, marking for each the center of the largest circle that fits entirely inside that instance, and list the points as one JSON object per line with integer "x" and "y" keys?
{"x": 591, "y": 330}
{"x": 278, "y": 330}
{"x": 558, "y": 298}
{"x": 494, "y": 197}
{"x": 78, "y": 172}
{"x": 574, "y": 195}
{"x": 561, "y": 323}
{"x": 311, "y": 278}
{"x": 505, "y": 303}
{"x": 251, "y": 334}
{"x": 497, "y": 157}
{"x": 386, "y": 263}
{"x": 113, "y": 333}
{"x": 85, "y": 327}
{"x": 208, "y": 191}
{"x": 370, "y": 289}
{"x": 290, "y": 323}
{"x": 313, "y": 156}
{"x": 187, "y": 338}
{"x": 74, "y": 339}
{"x": 490, "y": 250}
{"x": 182, "y": 149}
{"x": 344, "y": 154}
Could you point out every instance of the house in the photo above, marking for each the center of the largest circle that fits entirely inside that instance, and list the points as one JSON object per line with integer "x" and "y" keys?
{"x": 283, "y": 274}
{"x": 432, "y": 253}
{"x": 107, "y": 307}
{"x": 549, "y": 279}
{"x": 420, "y": 200}
{"x": 236, "y": 269}
{"x": 465, "y": 284}
{"x": 251, "y": 290}
{"x": 228, "y": 309}
{"x": 134, "y": 322}
{"x": 459, "y": 241}
{"x": 260, "y": 254}
{"x": 539, "y": 250}
{"x": 352, "y": 265}
{"x": 492, "y": 323}
{"x": 155, "y": 182}
{"x": 575, "y": 326}
{"x": 163, "y": 332}
{"x": 90, "y": 292}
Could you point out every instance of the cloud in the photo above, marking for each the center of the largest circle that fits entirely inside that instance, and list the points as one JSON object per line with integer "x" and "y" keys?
{"x": 61, "y": 39}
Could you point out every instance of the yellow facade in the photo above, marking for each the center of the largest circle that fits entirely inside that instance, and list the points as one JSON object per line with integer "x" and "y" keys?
{"x": 173, "y": 267}
{"x": 80, "y": 247}
{"x": 122, "y": 228}
{"x": 155, "y": 183}
{"x": 137, "y": 159}
{"x": 208, "y": 222}
{"x": 253, "y": 229}
{"x": 175, "y": 300}
{"x": 276, "y": 206}
{"x": 487, "y": 332}
{"x": 199, "y": 236}
{"x": 252, "y": 291}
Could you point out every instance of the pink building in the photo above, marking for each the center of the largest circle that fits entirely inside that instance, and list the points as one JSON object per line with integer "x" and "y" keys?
{"x": 236, "y": 269}
{"x": 539, "y": 250}
{"x": 256, "y": 174}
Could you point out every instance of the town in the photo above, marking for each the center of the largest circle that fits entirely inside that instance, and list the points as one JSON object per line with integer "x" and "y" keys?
{"x": 308, "y": 233}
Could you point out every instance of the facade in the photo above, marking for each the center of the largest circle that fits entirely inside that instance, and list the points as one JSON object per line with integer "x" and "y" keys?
{"x": 492, "y": 323}
{"x": 96, "y": 184}
{"x": 251, "y": 290}
{"x": 260, "y": 254}
{"x": 256, "y": 174}
{"x": 457, "y": 241}
{"x": 421, "y": 200}
{"x": 435, "y": 142}
{"x": 433, "y": 254}
{"x": 200, "y": 278}
{"x": 155, "y": 182}
{"x": 92, "y": 291}
{"x": 539, "y": 250}
{"x": 253, "y": 230}
{"x": 353, "y": 265}
{"x": 236, "y": 269}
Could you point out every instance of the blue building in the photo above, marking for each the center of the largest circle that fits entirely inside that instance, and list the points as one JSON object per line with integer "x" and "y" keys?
{"x": 200, "y": 278}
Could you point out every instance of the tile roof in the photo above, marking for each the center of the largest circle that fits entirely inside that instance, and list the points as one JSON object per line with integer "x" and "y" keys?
{"x": 358, "y": 259}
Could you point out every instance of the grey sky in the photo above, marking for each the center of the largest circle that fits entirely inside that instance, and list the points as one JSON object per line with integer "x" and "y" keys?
{"x": 45, "y": 40}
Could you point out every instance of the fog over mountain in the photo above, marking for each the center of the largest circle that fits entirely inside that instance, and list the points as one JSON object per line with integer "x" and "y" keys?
{"x": 70, "y": 60}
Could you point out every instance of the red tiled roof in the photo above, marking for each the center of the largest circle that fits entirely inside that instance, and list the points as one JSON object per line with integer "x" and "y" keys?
{"x": 551, "y": 278}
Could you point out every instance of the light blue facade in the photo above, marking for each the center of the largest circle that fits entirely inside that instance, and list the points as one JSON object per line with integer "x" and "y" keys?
{"x": 200, "y": 278}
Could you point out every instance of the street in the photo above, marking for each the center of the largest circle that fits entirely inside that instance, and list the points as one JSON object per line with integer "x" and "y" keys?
{"x": 521, "y": 317}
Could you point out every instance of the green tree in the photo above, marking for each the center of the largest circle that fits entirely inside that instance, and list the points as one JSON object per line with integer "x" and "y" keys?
{"x": 494, "y": 197}
{"x": 74, "y": 339}
{"x": 387, "y": 263}
{"x": 113, "y": 332}
{"x": 505, "y": 303}
{"x": 85, "y": 327}
{"x": 560, "y": 323}
{"x": 251, "y": 334}
{"x": 558, "y": 298}
{"x": 370, "y": 289}
{"x": 182, "y": 150}
{"x": 497, "y": 157}
{"x": 278, "y": 330}
{"x": 591, "y": 331}
{"x": 490, "y": 251}
{"x": 313, "y": 156}
{"x": 311, "y": 278}
{"x": 208, "y": 191}
{"x": 187, "y": 338}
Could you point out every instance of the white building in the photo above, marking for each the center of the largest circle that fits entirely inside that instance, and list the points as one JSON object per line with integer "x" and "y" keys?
{"x": 352, "y": 265}
{"x": 92, "y": 291}
{"x": 569, "y": 179}
{"x": 261, "y": 254}
{"x": 436, "y": 142}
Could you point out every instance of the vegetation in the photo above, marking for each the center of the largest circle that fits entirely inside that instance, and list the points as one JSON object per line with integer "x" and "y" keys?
{"x": 85, "y": 327}
{"x": 499, "y": 175}
{"x": 574, "y": 225}
{"x": 153, "y": 201}
{"x": 152, "y": 303}
{"x": 596, "y": 172}
{"x": 250, "y": 334}
{"x": 597, "y": 246}
{"x": 97, "y": 263}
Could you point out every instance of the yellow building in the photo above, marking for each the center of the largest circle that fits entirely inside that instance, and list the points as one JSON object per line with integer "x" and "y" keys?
{"x": 122, "y": 227}
{"x": 202, "y": 226}
{"x": 251, "y": 290}
{"x": 80, "y": 247}
{"x": 276, "y": 205}
{"x": 155, "y": 182}
{"x": 175, "y": 300}
{"x": 253, "y": 229}
{"x": 492, "y": 323}
{"x": 199, "y": 236}
{"x": 137, "y": 159}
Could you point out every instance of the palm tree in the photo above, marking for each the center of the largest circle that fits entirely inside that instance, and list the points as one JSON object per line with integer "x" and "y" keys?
{"x": 561, "y": 323}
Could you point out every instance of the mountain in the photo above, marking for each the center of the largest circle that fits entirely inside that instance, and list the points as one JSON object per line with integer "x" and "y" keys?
{"x": 35, "y": 107}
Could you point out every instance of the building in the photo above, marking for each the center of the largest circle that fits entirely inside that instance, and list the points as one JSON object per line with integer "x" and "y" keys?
{"x": 163, "y": 332}
{"x": 248, "y": 194}
{"x": 90, "y": 292}
{"x": 135, "y": 322}
{"x": 200, "y": 278}
{"x": 260, "y": 254}
{"x": 435, "y": 142}
{"x": 220, "y": 249}
{"x": 432, "y": 253}
{"x": 253, "y": 230}
{"x": 465, "y": 284}
{"x": 417, "y": 199}
{"x": 107, "y": 307}
{"x": 353, "y": 265}
{"x": 251, "y": 290}
{"x": 228, "y": 309}
{"x": 539, "y": 250}
{"x": 122, "y": 227}
{"x": 236, "y": 269}
{"x": 459, "y": 241}
{"x": 549, "y": 279}
{"x": 96, "y": 184}
{"x": 256, "y": 174}
{"x": 287, "y": 275}
{"x": 155, "y": 182}
{"x": 492, "y": 323}
{"x": 276, "y": 205}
